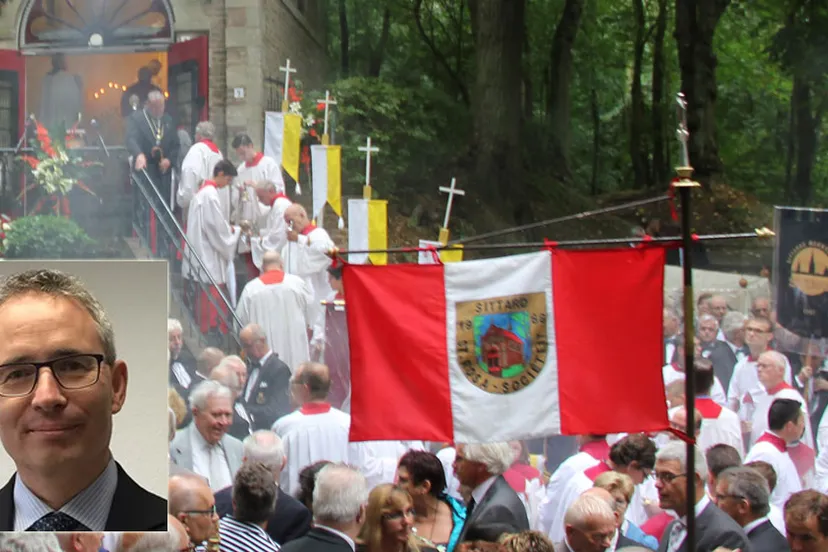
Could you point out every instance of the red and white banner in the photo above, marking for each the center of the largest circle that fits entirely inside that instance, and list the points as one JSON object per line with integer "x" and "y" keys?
{"x": 555, "y": 342}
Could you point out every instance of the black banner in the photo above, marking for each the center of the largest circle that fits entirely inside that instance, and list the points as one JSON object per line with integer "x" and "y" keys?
{"x": 801, "y": 271}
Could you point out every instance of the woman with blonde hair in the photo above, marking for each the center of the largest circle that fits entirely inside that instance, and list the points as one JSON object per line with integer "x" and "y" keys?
{"x": 621, "y": 487}
{"x": 389, "y": 518}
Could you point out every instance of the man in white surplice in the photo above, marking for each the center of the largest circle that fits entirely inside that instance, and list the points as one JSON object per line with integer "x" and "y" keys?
{"x": 279, "y": 304}
{"x": 317, "y": 431}
{"x": 198, "y": 166}
{"x": 306, "y": 255}
{"x": 273, "y": 233}
{"x": 214, "y": 240}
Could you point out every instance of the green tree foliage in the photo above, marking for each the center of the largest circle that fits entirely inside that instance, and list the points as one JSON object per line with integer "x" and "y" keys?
{"x": 46, "y": 237}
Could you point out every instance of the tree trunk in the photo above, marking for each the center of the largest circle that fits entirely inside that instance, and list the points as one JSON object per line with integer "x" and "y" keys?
{"x": 378, "y": 53}
{"x": 559, "y": 101}
{"x": 344, "y": 40}
{"x": 696, "y": 22}
{"x": 638, "y": 149}
{"x": 596, "y": 138}
{"x": 661, "y": 169}
{"x": 806, "y": 137}
{"x": 498, "y": 27}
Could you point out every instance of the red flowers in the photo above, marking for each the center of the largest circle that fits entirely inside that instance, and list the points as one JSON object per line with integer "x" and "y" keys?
{"x": 45, "y": 141}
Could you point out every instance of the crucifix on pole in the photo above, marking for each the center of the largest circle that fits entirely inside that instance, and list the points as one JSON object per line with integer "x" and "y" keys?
{"x": 451, "y": 191}
{"x": 368, "y": 149}
{"x": 287, "y": 70}
{"x": 328, "y": 101}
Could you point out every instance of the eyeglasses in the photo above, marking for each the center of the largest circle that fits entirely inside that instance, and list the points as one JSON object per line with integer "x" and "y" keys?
{"x": 756, "y": 330}
{"x": 71, "y": 372}
{"x": 720, "y": 497}
{"x": 395, "y": 516}
{"x": 667, "y": 477}
{"x": 210, "y": 512}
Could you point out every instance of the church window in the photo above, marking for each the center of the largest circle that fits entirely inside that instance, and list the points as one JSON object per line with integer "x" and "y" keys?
{"x": 8, "y": 109}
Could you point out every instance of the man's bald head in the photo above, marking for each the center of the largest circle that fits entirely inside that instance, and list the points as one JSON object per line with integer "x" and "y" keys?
{"x": 297, "y": 216}
{"x": 272, "y": 260}
{"x": 209, "y": 358}
{"x": 185, "y": 491}
{"x": 678, "y": 419}
{"x": 315, "y": 378}
{"x": 602, "y": 494}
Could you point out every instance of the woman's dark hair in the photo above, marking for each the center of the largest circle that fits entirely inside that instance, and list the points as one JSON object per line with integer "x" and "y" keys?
{"x": 307, "y": 481}
{"x": 424, "y": 466}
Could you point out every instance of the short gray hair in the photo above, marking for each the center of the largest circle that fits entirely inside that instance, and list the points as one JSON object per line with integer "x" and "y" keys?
{"x": 29, "y": 542}
{"x": 339, "y": 494}
{"x": 155, "y": 96}
{"x": 733, "y": 322}
{"x": 174, "y": 325}
{"x": 60, "y": 284}
{"x": 677, "y": 450}
{"x": 255, "y": 329}
{"x": 206, "y": 390}
{"x": 265, "y": 447}
{"x": 777, "y": 358}
{"x": 156, "y": 542}
{"x": 708, "y": 318}
{"x": 586, "y": 507}
{"x": 497, "y": 457}
{"x": 750, "y": 485}
{"x": 232, "y": 360}
{"x": 266, "y": 186}
{"x": 205, "y": 129}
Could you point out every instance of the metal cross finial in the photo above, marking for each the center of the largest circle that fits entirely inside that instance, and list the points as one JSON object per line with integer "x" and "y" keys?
{"x": 683, "y": 132}
{"x": 288, "y": 70}
{"x": 451, "y": 191}
{"x": 368, "y": 151}
{"x": 328, "y": 101}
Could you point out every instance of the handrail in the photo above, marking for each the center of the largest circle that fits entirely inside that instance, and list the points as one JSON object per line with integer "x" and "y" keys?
{"x": 189, "y": 250}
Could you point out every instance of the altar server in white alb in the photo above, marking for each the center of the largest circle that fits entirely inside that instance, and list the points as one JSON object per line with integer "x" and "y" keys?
{"x": 255, "y": 167}
{"x": 214, "y": 240}
{"x": 771, "y": 372}
{"x": 198, "y": 166}
{"x": 786, "y": 425}
{"x": 306, "y": 255}
{"x": 719, "y": 425}
{"x": 272, "y": 235}
{"x": 279, "y": 304}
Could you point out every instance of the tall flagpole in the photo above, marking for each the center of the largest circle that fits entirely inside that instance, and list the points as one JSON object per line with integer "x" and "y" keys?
{"x": 685, "y": 186}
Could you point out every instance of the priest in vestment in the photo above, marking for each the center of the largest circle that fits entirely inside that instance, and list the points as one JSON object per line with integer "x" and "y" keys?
{"x": 198, "y": 166}
{"x": 272, "y": 235}
{"x": 719, "y": 425}
{"x": 306, "y": 255}
{"x": 279, "y": 303}
{"x": 215, "y": 241}
{"x": 255, "y": 167}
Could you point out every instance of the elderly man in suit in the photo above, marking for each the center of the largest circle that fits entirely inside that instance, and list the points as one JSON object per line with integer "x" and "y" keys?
{"x": 192, "y": 503}
{"x": 494, "y": 508}
{"x": 204, "y": 446}
{"x": 714, "y": 528}
{"x": 744, "y": 495}
{"x": 290, "y": 519}
{"x": 339, "y": 500}
{"x": 590, "y": 524}
{"x": 267, "y": 392}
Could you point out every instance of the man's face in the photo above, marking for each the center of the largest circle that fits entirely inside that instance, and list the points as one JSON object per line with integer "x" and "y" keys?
{"x": 52, "y": 427}
{"x": 294, "y": 217}
{"x": 805, "y": 536}
{"x": 468, "y": 472}
{"x": 201, "y": 518}
{"x": 757, "y": 334}
{"x": 246, "y": 153}
{"x": 761, "y": 307}
{"x": 718, "y": 307}
{"x": 707, "y": 331}
{"x": 176, "y": 342}
{"x": 222, "y": 181}
{"x": 335, "y": 283}
{"x": 671, "y": 483}
{"x": 595, "y": 536}
{"x": 87, "y": 542}
{"x": 252, "y": 346}
{"x": 722, "y": 498}
{"x": 265, "y": 196}
{"x": 770, "y": 374}
{"x": 670, "y": 324}
{"x": 795, "y": 430}
{"x": 241, "y": 371}
{"x": 156, "y": 108}
{"x": 214, "y": 419}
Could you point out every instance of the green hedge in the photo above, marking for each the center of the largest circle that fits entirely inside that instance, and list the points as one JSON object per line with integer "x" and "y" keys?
{"x": 46, "y": 237}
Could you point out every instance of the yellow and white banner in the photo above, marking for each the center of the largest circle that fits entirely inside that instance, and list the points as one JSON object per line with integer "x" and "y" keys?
{"x": 368, "y": 229}
{"x": 283, "y": 133}
{"x": 446, "y": 255}
{"x": 326, "y": 164}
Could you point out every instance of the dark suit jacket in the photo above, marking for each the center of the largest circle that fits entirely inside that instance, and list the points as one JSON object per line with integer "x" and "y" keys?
{"x": 289, "y": 521}
{"x": 318, "y": 540}
{"x": 714, "y": 528}
{"x": 723, "y": 359}
{"x": 270, "y": 396}
{"x": 140, "y": 139}
{"x": 766, "y": 538}
{"x": 186, "y": 360}
{"x": 500, "y": 511}
{"x": 133, "y": 508}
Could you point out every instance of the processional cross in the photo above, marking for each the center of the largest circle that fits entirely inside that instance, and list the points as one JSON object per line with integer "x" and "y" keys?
{"x": 368, "y": 149}
{"x": 328, "y": 101}
{"x": 287, "y": 70}
{"x": 451, "y": 191}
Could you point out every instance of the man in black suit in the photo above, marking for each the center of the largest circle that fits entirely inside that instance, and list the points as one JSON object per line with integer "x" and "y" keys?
{"x": 339, "y": 500}
{"x": 717, "y": 352}
{"x": 291, "y": 519}
{"x": 714, "y": 528}
{"x": 744, "y": 494}
{"x": 60, "y": 384}
{"x": 182, "y": 363}
{"x": 152, "y": 141}
{"x": 494, "y": 508}
{"x": 267, "y": 393}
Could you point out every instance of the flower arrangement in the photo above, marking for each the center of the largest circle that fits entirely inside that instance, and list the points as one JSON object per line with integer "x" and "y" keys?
{"x": 55, "y": 171}
{"x": 312, "y": 114}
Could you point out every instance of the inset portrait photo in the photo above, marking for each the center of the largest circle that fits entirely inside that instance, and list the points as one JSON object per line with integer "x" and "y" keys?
{"x": 83, "y": 390}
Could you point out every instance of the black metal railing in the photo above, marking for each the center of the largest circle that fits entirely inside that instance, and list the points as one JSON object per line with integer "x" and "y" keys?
{"x": 199, "y": 294}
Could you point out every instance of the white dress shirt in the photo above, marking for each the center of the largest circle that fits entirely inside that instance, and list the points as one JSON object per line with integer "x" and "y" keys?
{"x": 210, "y": 461}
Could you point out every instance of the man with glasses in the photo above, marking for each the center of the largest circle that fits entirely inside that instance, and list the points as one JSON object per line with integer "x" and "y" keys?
{"x": 60, "y": 384}
{"x": 714, "y": 528}
{"x": 192, "y": 503}
{"x": 744, "y": 495}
